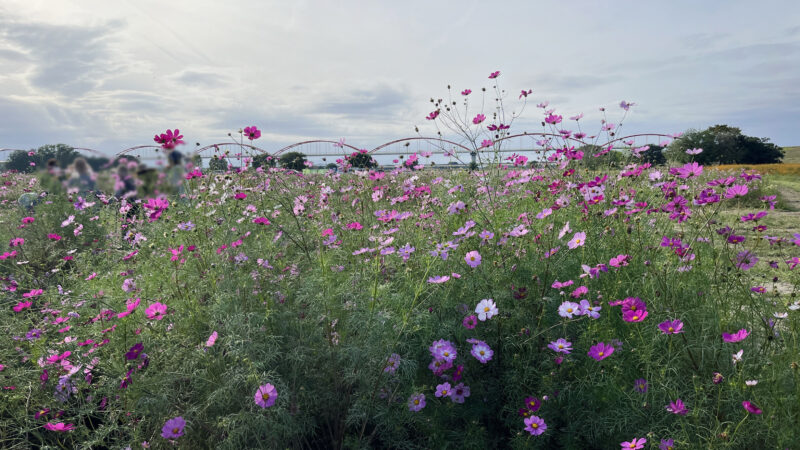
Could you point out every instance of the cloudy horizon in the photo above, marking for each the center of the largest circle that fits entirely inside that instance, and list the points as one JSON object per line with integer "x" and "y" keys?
{"x": 109, "y": 75}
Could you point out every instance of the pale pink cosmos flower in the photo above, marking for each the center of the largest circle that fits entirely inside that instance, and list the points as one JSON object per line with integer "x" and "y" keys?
{"x": 473, "y": 259}
{"x": 577, "y": 240}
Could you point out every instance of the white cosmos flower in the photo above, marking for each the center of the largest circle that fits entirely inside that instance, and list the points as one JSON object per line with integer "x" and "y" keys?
{"x": 486, "y": 309}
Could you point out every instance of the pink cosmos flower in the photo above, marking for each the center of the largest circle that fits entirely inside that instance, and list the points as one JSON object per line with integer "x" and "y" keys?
{"x": 751, "y": 408}
{"x": 634, "y": 444}
{"x": 634, "y": 316}
{"x": 266, "y": 395}
{"x": 433, "y": 115}
{"x": 677, "y": 407}
{"x": 478, "y": 119}
{"x": 737, "y": 190}
{"x": 735, "y": 337}
{"x": 60, "y": 426}
{"x": 22, "y": 305}
{"x": 32, "y": 293}
{"x": 601, "y": 351}
{"x": 494, "y": 75}
{"x": 553, "y": 119}
{"x": 212, "y": 339}
{"x": 535, "y": 425}
{"x": 671, "y": 327}
{"x": 577, "y": 240}
{"x": 473, "y": 259}
{"x": 156, "y": 311}
{"x": 466, "y": 92}
{"x": 252, "y": 132}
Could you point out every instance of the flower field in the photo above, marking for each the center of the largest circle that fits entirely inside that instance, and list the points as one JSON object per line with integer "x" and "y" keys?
{"x": 514, "y": 306}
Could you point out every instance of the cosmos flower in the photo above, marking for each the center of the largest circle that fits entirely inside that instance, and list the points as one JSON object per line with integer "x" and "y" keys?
{"x": 671, "y": 327}
{"x": 751, "y": 408}
{"x": 266, "y": 396}
{"x": 173, "y": 428}
{"x": 601, "y": 351}
{"x": 486, "y": 309}
{"x": 416, "y": 402}
{"x": 535, "y": 425}
{"x": 677, "y": 407}
{"x": 560, "y": 345}
{"x": 735, "y": 337}
{"x": 635, "y": 443}
{"x": 473, "y": 259}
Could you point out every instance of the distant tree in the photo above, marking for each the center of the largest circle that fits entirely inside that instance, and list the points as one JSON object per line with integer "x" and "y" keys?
{"x": 654, "y": 155}
{"x": 218, "y": 164}
{"x": 97, "y": 162}
{"x": 361, "y": 160}
{"x": 292, "y": 160}
{"x": 21, "y": 161}
{"x": 331, "y": 166}
{"x": 263, "y": 160}
{"x": 723, "y": 144}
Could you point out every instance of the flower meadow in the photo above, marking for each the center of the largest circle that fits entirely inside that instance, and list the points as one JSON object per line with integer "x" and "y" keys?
{"x": 545, "y": 305}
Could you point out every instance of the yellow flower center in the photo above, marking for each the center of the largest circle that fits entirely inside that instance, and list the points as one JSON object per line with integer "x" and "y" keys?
{"x": 671, "y": 329}
{"x": 444, "y": 392}
{"x": 569, "y": 310}
{"x": 560, "y": 346}
{"x": 265, "y": 396}
{"x": 635, "y": 317}
{"x": 486, "y": 309}
{"x": 175, "y": 430}
{"x": 599, "y": 353}
{"x": 633, "y": 308}
{"x": 534, "y": 425}
{"x": 416, "y": 401}
{"x": 482, "y": 352}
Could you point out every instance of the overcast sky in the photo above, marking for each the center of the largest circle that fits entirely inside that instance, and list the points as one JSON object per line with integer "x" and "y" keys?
{"x": 110, "y": 74}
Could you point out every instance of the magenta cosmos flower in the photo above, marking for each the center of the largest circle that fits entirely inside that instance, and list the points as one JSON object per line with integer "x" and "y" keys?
{"x": 601, "y": 351}
{"x": 535, "y": 425}
{"x": 266, "y": 395}
{"x": 677, "y": 407}
{"x": 478, "y": 119}
{"x": 735, "y": 337}
{"x": 173, "y": 429}
{"x": 470, "y": 322}
{"x": 635, "y": 443}
{"x": 671, "y": 327}
{"x": 473, "y": 259}
{"x": 416, "y": 402}
{"x": 751, "y": 408}
{"x": 252, "y": 132}
{"x": 60, "y": 426}
{"x": 156, "y": 311}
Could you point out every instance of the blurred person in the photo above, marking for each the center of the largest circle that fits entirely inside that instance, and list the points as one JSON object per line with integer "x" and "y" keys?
{"x": 82, "y": 176}
{"x": 175, "y": 172}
